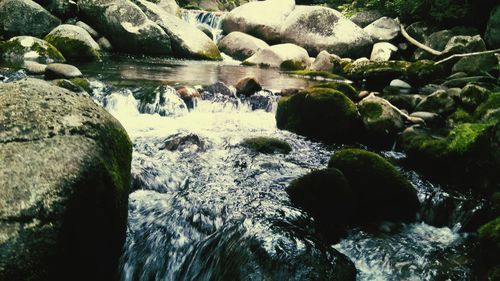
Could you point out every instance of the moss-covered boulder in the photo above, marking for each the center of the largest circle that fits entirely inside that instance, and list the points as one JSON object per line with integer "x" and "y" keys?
{"x": 380, "y": 191}
{"x": 267, "y": 145}
{"x": 65, "y": 178}
{"x": 347, "y": 89}
{"x": 489, "y": 238}
{"x": 21, "y": 48}
{"x": 25, "y": 17}
{"x": 319, "y": 113}
{"x": 284, "y": 56}
{"x": 468, "y": 154}
{"x": 489, "y": 111}
{"x": 441, "y": 102}
{"x": 406, "y": 102}
{"x": 327, "y": 196}
{"x": 377, "y": 75}
{"x": 472, "y": 96}
{"x": 74, "y": 42}
{"x": 382, "y": 122}
{"x": 424, "y": 72}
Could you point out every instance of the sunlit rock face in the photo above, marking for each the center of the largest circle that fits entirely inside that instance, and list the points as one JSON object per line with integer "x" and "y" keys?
{"x": 262, "y": 19}
{"x": 126, "y": 26}
{"x": 286, "y": 56}
{"x": 319, "y": 28}
{"x": 187, "y": 41}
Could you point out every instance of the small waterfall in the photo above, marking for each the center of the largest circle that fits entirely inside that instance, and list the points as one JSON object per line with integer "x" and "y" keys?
{"x": 208, "y": 22}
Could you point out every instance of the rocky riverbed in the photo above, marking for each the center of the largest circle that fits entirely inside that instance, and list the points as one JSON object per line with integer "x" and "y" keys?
{"x": 276, "y": 141}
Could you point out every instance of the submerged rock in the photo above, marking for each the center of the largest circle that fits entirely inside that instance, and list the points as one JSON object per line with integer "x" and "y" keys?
{"x": 319, "y": 28}
{"x": 22, "y": 48}
{"x": 162, "y": 100}
{"x": 240, "y": 45}
{"x": 285, "y": 56}
{"x": 25, "y": 17}
{"x": 319, "y": 113}
{"x": 74, "y": 42}
{"x": 65, "y": 166}
{"x": 262, "y": 19}
{"x": 267, "y": 145}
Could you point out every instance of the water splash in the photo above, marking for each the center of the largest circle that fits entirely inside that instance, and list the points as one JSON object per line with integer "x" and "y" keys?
{"x": 211, "y": 21}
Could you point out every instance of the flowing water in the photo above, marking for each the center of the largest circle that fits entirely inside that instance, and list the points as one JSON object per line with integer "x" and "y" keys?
{"x": 205, "y": 208}
{"x": 206, "y": 20}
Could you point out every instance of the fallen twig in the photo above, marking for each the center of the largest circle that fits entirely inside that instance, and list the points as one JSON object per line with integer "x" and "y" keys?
{"x": 467, "y": 55}
{"x": 418, "y": 44}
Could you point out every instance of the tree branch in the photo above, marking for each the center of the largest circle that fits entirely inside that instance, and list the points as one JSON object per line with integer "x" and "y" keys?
{"x": 418, "y": 44}
{"x": 467, "y": 55}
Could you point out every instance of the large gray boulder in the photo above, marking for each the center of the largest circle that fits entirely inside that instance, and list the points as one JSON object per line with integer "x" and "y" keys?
{"x": 64, "y": 177}
{"x": 285, "y": 56}
{"x": 74, "y": 42}
{"x": 319, "y": 28}
{"x": 383, "y": 29}
{"x": 240, "y": 45}
{"x": 262, "y": 19}
{"x": 187, "y": 41}
{"x": 326, "y": 62}
{"x": 126, "y": 26}
{"x": 492, "y": 35}
{"x": 26, "y": 48}
{"x": 169, "y": 6}
{"x": 25, "y": 17}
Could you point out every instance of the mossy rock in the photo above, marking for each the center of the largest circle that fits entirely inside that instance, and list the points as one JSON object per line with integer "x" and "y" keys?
{"x": 323, "y": 74}
{"x": 460, "y": 116}
{"x": 267, "y": 145}
{"x": 344, "y": 88}
{"x": 20, "y": 48}
{"x": 468, "y": 154}
{"x": 489, "y": 238}
{"x": 326, "y": 195}
{"x": 291, "y": 65}
{"x": 424, "y": 72}
{"x": 489, "y": 106}
{"x": 380, "y": 191}
{"x": 377, "y": 75}
{"x": 406, "y": 102}
{"x": 319, "y": 113}
{"x": 74, "y": 42}
{"x": 472, "y": 96}
{"x": 441, "y": 102}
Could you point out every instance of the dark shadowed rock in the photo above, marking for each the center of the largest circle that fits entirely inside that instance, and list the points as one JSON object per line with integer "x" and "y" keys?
{"x": 247, "y": 86}
{"x": 364, "y": 18}
{"x": 65, "y": 178}
{"x": 25, "y": 17}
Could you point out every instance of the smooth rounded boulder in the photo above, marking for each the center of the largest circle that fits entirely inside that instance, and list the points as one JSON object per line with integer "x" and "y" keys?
{"x": 240, "y": 45}
{"x": 126, "y": 26}
{"x": 74, "y": 42}
{"x": 383, "y": 29}
{"x": 319, "y": 28}
{"x": 27, "y": 48}
{"x": 187, "y": 41}
{"x": 319, "y": 113}
{"x": 65, "y": 178}
{"x": 285, "y": 56}
{"x": 62, "y": 70}
{"x": 25, "y": 17}
{"x": 262, "y": 19}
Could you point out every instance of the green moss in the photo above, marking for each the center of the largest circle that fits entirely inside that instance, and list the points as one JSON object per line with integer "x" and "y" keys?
{"x": 324, "y": 74}
{"x": 380, "y": 191}
{"x": 492, "y": 103}
{"x": 267, "y": 145}
{"x": 344, "y": 88}
{"x": 73, "y": 49}
{"x": 489, "y": 235}
{"x": 319, "y": 113}
{"x": 424, "y": 71}
{"x": 377, "y": 74}
{"x": 50, "y": 52}
{"x": 82, "y": 82}
{"x": 13, "y": 49}
{"x": 460, "y": 116}
{"x": 462, "y": 139}
{"x": 292, "y": 65}
{"x": 370, "y": 110}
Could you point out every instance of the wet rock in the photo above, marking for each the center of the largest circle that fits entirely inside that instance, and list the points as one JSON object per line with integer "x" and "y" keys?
{"x": 405, "y": 102}
{"x": 347, "y": 89}
{"x": 401, "y": 84}
{"x": 382, "y": 51}
{"x": 189, "y": 95}
{"x": 267, "y": 145}
{"x": 247, "y": 86}
{"x": 74, "y": 42}
{"x": 319, "y": 28}
{"x": 492, "y": 35}
{"x": 61, "y": 70}
{"x": 262, "y": 19}
{"x": 285, "y": 56}
{"x": 464, "y": 44}
{"x": 436, "y": 41}
{"x": 219, "y": 88}
{"x": 240, "y": 45}
{"x": 207, "y": 30}
{"x": 326, "y": 62}
{"x": 377, "y": 75}
{"x": 430, "y": 89}
{"x": 382, "y": 122}
{"x": 379, "y": 191}
{"x": 383, "y": 29}
{"x": 162, "y": 100}
{"x": 476, "y": 64}
{"x": 25, "y": 17}
{"x": 65, "y": 183}
{"x": 364, "y": 18}
{"x": 440, "y": 102}
{"x": 262, "y": 100}
{"x": 21, "y": 48}
{"x": 187, "y": 40}
{"x": 472, "y": 96}
{"x": 184, "y": 143}
{"x": 126, "y": 26}
{"x": 105, "y": 44}
{"x": 319, "y": 113}
{"x": 431, "y": 119}
{"x": 91, "y": 31}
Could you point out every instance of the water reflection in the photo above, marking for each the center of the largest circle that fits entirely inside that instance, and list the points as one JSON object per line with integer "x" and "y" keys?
{"x": 127, "y": 71}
